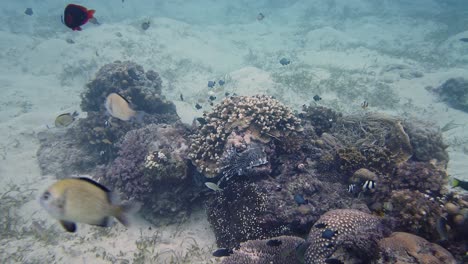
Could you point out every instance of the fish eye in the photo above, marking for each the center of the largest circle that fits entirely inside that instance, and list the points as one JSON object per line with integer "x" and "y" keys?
{"x": 46, "y": 195}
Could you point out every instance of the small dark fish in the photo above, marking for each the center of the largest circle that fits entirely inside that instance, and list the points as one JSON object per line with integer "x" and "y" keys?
{"x": 222, "y": 252}
{"x": 212, "y": 98}
{"x": 333, "y": 261}
{"x": 274, "y": 243}
{"x": 118, "y": 34}
{"x": 198, "y": 106}
{"x": 211, "y": 84}
{"x": 364, "y": 105}
{"x": 260, "y": 16}
{"x": 320, "y": 225}
{"x": 460, "y": 183}
{"x": 211, "y": 104}
{"x": 70, "y": 41}
{"x": 145, "y": 25}
{"x": 284, "y": 61}
{"x": 181, "y": 97}
{"x": 317, "y": 98}
{"x": 29, "y": 11}
{"x": 201, "y": 120}
{"x": 75, "y": 16}
{"x": 226, "y": 94}
{"x": 441, "y": 227}
{"x": 300, "y": 199}
{"x": 328, "y": 233}
{"x": 464, "y": 39}
{"x": 221, "y": 82}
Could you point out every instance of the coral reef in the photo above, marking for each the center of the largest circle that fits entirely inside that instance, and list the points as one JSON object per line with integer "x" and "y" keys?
{"x": 151, "y": 166}
{"x": 244, "y": 118}
{"x": 425, "y": 177}
{"x": 454, "y": 92}
{"x": 276, "y": 250}
{"x": 321, "y": 118}
{"x": 415, "y": 212}
{"x": 403, "y": 247}
{"x": 427, "y": 140}
{"x": 345, "y": 235}
{"x": 247, "y": 210}
{"x": 373, "y": 131}
{"x": 92, "y": 140}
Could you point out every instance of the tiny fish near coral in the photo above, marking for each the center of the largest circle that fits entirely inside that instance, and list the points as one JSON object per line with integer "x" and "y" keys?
{"x": 284, "y": 61}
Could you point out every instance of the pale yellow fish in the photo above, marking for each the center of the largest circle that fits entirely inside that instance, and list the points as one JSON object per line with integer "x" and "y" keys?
{"x": 85, "y": 201}
{"x": 65, "y": 120}
{"x": 213, "y": 186}
{"x": 118, "y": 107}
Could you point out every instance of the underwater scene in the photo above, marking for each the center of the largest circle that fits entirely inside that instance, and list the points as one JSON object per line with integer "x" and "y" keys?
{"x": 234, "y": 132}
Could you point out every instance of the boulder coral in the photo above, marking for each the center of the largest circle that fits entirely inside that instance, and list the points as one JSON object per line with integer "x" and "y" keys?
{"x": 346, "y": 235}
{"x": 276, "y": 250}
{"x": 402, "y": 247}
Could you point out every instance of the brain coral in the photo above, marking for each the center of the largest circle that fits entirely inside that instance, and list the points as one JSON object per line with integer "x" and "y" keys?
{"x": 338, "y": 234}
{"x": 277, "y": 250}
{"x": 238, "y": 120}
{"x": 407, "y": 248}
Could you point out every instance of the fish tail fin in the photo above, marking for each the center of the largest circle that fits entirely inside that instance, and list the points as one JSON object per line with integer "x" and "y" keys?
{"x": 91, "y": 13}
{"x": 455, "y": 182}
{"x": 125, "y": 210}
{"x": 139, "y": 115}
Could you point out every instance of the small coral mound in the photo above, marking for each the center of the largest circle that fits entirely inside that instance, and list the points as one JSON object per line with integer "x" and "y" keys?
{"x": 151, "y": 167}
{"x": 427, "y": 141}
{"x": 425, "y": 177}
{"x": 403, "y": 247}
{"x": 277, "y": 250}
{"x": 454, "y": 92}
{"x": 238, "y": 120}
{"x": 142, "y": 89}
{"x": 346, "y": 235}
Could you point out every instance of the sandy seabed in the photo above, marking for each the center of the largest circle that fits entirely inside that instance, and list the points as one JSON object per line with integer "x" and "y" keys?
{"x": 387, "y": 61}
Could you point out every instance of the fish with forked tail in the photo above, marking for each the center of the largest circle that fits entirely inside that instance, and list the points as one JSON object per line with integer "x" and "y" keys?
{"x": 83, "y": 200}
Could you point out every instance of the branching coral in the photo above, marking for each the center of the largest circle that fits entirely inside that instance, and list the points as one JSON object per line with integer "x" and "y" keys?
{"x": 340, "y": 234}
{"x": 279, "y": 250}
{"x": 257, "y": 117}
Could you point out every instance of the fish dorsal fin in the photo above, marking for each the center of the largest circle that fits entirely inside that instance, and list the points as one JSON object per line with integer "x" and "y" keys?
{"x": 93, "y": 182}
{"x": 123, "y": 97}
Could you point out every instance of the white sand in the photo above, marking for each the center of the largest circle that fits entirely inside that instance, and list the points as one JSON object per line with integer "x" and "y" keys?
{"x": 41, "y": 75}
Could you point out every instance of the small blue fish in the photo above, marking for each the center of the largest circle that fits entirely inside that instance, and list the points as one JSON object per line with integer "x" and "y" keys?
{"x": 464, "y": 39}
{"x": 284, "y": 61}
{"x": 211, "y": 84}
{"x": 221, "y": 82}
{"x": 328, "y": 233}
{"x": 300, "y": 199}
